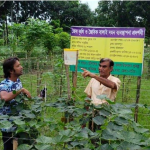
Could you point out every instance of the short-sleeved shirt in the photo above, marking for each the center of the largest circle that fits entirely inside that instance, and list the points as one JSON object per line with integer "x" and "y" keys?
{"x": 9, "y": 86}
{"x": 94, "y": 88}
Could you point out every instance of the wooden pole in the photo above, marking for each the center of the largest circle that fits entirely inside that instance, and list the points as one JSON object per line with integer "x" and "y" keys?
{"x": 45, "y": 92}
{"x": 123, "y": 88}
{"x": 38, "y": 78}
{"x": 68, "y": 82}
{"x": 15, "y": 144}
{"x": 74, "y": 75}
{"x": 61, "y": 79}
{"x": 137, "y": 98}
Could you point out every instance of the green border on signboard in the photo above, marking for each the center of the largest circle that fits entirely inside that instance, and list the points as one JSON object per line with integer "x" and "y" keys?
{"x": 120, "y": 68}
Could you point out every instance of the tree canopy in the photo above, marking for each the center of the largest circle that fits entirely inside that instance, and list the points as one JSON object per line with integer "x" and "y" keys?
{"x": 123, "y": 14}
{"x": 74, "y": 13}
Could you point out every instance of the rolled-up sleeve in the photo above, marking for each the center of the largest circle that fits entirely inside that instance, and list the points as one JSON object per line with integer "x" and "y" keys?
{"x": 88, "y": 89}
{"x": 3, "y": 87}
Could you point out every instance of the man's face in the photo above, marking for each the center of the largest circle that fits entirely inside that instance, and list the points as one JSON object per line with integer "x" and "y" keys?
{"x": 105, "y": 69}
{"x": 18, "y": 69}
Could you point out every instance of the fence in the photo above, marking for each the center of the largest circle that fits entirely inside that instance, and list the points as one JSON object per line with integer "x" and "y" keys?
{"x": 50, "y": 72}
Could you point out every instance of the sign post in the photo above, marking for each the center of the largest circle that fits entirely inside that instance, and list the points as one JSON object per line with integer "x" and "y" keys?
{"x": 71, "y": 58}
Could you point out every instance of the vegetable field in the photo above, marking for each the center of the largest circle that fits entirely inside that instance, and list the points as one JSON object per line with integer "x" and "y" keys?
{"x": 56, "y": 122}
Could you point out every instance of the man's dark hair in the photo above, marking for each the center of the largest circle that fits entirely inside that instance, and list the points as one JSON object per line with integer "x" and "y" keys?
{"x": 111, "y": 63}
{"x": 8, "y": 65}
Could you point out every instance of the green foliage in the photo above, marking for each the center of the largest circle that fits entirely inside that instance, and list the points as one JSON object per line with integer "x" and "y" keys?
{"x": 64, "y": 40}
{"x": 12, "y": 42}
{"x": 35, "y": 35}
{"x": 17, "y": 29}
{"x": 35, "y": 31}
{"x": 1, "y": 42}
{"x": 117, "y": 127}
{"x": 55, "y": 23}
{"x": 5, "y": 52}
{"x": 123, "y": 14}
{"x": 49, "y": 42}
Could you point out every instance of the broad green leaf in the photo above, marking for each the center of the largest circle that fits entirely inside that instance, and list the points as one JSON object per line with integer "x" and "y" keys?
{"x": 61, "y": 99}
{"x": 5, "y": 124}
{"x": 19, "y": 107}
{"x": 24, "y": 147}
{"x": 87, "y": 99}
{"x": 131, "y": 137}
{"x": 125, "y": 111}
{"x": 67, "y": 132}
{"x": 71, "y": 107}
{"x": 104, "y": 113}
{"x": 128, "y": 117}
{"x": 139, "y": 129}
{"x": 106, "y": 147}
{"x": 146, "y": 142}
{"x": 113, "y": 126}
{"x": 81, "y": 135}
{"x": 31, "y": 115}
{"x": 18, "y": 98}
{"x": 130, "y": 105}
{"x": 33, "y": 107}
{"x": 103, "y": 96}
{"x": 116, "y": 107}
{"x": 20, "y": 130}
{"x": 19, "y": 122}
{"x": 43, "y": 147}
{"x": 98, "y": 107}
{"x": 80, "y": 111}
{"x": 114, "y": 145}
{"x": 109, "y": 135}
{"x": 109, "y": 101}
{"x": 89, "y": 132}
{"x": 121, "y": 121}
{"x": 128, "y": 146}
{"x": 61, "y": 109}
{"x": 38, "y": 109}
{"x": 52, "y": 127}
{"x": 99, "y": 120}
{"x": 32, "y": 123}
{"x": 37, "y": 98}
{"x": 49, "y": 120}
{"x": 141, "y": 105}
{"x": 61, "y": 139}
{"x": 44, "y": 139}
{"x": 74, "y": 144}
{"x": 26, "y": 111}
{"x": 50, "y": 105}
{"x": 77, "y": 143}
{"x": 4, "y": 116}
{"x": 15, "y": 117}
{"x": 39, "y": 124}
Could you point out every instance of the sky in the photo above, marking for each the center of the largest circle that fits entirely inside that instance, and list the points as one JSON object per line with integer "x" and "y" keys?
{"x": 92, "y": 3}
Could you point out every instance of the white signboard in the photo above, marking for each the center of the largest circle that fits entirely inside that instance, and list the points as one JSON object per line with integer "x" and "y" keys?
{"x": 70, "y": 56}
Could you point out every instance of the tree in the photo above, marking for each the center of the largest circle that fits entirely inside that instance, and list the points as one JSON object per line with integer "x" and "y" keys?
{"x": 49, "y": 42}
{"x": 35, "y": 31}
{"x": 64, "y": 40}
{"x": 123, "y": 14}
{"x": 5, "y": 11}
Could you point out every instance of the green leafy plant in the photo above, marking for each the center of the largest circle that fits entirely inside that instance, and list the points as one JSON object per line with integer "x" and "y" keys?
{"x": 111, "y": 126}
